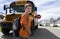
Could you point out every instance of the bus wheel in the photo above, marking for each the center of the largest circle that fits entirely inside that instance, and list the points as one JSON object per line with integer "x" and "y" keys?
{"x": 5, "y": 31}
{"x": 36, "y": 27}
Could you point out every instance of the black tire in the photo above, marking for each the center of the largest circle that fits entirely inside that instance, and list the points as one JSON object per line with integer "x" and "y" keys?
{"x": 32, "y": 26}
{"x": 5, "y": 31}
{"x": 36, "y": 27}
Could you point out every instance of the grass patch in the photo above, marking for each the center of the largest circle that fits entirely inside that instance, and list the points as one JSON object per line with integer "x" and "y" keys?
{"x": 0, "y": 28}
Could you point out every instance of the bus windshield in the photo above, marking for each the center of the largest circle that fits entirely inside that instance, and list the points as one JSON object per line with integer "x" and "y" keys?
{"x": 18, "y": 8}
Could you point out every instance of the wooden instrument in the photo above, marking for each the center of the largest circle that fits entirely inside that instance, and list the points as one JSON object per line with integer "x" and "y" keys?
{"x": 26, "y": 26}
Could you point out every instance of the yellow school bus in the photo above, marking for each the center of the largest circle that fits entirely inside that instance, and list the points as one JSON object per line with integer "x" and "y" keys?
{"x": 13, "y": 12}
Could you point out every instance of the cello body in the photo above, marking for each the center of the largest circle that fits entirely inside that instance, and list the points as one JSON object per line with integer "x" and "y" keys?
{"x": 23, "y": 32}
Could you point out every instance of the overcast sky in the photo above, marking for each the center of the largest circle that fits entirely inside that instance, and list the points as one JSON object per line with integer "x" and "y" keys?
{"x": 46, "y": 8}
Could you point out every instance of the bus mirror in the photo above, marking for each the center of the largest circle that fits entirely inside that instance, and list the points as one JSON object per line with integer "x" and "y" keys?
{"x": 35, "y": 8}
{"x": 4, "y": 7}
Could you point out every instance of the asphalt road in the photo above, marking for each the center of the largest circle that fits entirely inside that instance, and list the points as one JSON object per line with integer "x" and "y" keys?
{"x": 41, "y": 33}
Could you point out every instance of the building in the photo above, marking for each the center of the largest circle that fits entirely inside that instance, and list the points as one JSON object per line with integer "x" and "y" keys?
{"x": 58, "y": 22}
{"x": 45, "y": 22}
{"x": 51, "y": 22}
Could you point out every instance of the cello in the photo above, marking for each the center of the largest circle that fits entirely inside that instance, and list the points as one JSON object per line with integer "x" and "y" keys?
{"x": 25, "y": 30}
